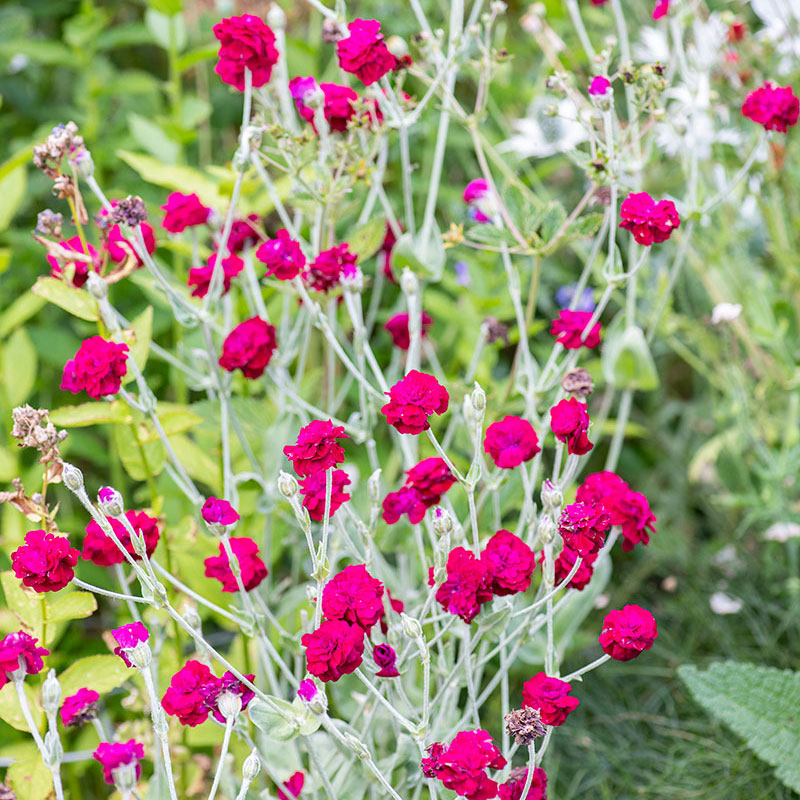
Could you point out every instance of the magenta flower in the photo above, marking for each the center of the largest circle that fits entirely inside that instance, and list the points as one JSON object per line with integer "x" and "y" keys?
{"x": 354, "y": 596}
{"x": 510, "y": 563}
{"x": 313, "y": 490}
{"x": 551, "y": 697}
{"x": 100, "y": 549}
{"x": 317, "y": 447}
{"x": 510, "y": 441}
{"x": 397, "y": 326}
{"x": 569, "y": 421}
{"x": 568, "y": 329}
{"x": 334, "y": 649}
{"x": 412, "y": 400}
{"x": 79, "y": 708}
{"x": 467, "y": 587}
{"x": 253, "y": 569}
{"x": 249, "y": 347}
{"x": 282, "y": 256}
{"x": 583, "y": 527}
{"x": 599, "y": 86}
{"x": 337, "y": 104}
{"x": 775, "y": 107}
{"x": 406, "y": 500}
{"x": 186, "y": 696}
{"x": 363, "y": 53}
{"x": 478, "y": 197}
{"x": 183, "y": 211}
{"x": 128, "y": 637}
{"x": 294, "y": 785}
{"x": 97, "y": 368}
{"x": 648, "y": 221}
{"x": 628, "y": 632}
{"x": 385, "y": 658}
{"x": 327, "y": 269}
{"x": 80, "y": 269}
{"x": 113, "y": 755}
{"x": 200, "y": 277}
{"x": 16, "y": 647}
{"x": 45, "y": 563}
{"x": 245, "y": 42}
{"x": 219, "y": 512}
{"x": 430, "y": 479}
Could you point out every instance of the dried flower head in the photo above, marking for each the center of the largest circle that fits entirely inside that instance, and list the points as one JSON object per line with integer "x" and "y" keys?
{"x": 48, "y": 223}
{"x": 578, "y": 382}
{"x": 131, "y": 211}
{"x": 33, "y": 429}
{"x": 525, "y": 725}
{"x": 49, "y": 155}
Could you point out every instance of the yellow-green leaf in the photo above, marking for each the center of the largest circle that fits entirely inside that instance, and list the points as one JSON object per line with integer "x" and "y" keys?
{"x": 138, "y": 338}
{"x": 101, "y": 673}
{"x": 30, "y": 778}
{"x": 366, "y": 240}
{"x": 141, "y": 456}
{"x": 74, "y": 605}
{"x": 19, "y": 367}
{"x": 11, "y": 711}
{"x": 198, "y": 463}
{"x": 25, "y": 603}
{"x": 19, "y": 312}
{"x": 77, "y": 302}
{"x": 85, "y": 414}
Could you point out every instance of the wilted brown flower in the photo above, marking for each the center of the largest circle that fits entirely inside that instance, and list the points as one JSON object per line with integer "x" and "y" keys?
{"x": 525, "y": 725}
{"x": 578, "y": 382}
{"x": 494, "y": 330}
{"x": 34, "y": 429}
{"x": 131, "y": 211}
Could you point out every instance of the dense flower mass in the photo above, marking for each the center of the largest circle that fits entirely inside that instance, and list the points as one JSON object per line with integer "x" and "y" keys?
{"x": 128, "y": 638}
{"x": 406, "y": 500}
{"x": 412, "y": 400}
{"x": 79, "y": 707}
{"x": 569, "y": 421}
{"x": 282, "y": 256}
{"x": 513, "y": 787}
{"x": 317, "y": 447}
{"x": 461, "y": 766}
{"x": 334, "y": 649}
{"x": 100, "y": 548}
{"x": 184, "y": 698}
{"x": 78, "y": 267}
{"x": 364, "y": 53}
{"x": 467, "y": 587}
{"x": 97, "y": 368}
{"x": 550, "y": 697}
{"x": 16, "y": 646}
{"x": 337, "y": 104}
{"x": 219, "y": 512}
{"x": 628, "y": 632}
{"x": 46, "y": 562}
{"x": 354, "y": 596}
{"x": 430, "y": 479}
{"x": 113, "y": 755}
{"x": 568, "y": 329}
{"x": 327, "y": 269}
{"x": 245, "y": 42}
{"x": 775, "y": 107}
{"x": 200, "y": 277}
{"x": 510, "y": 441}
{"x": 249, "y": 347}
{"x": 583, "y": 527}
{"x": 215, "y": 691}
{"x": 648, "y": 221}
{"x": 566, "y": 561}
{"x": 397, "y": 326}
{"x": 510, "y": 563}
{"x": 253, "y": 570}
{"x": 182, "y": 211}
{"x": 313, "y": 490}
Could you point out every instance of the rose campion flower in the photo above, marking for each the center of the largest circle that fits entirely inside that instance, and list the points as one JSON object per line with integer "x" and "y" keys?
{"x": 397, "y": 326}
{"x": 214, "y": 690}
{"x": 510, "y": 441}
{"x": 183, "y": 211}
{"x": 628, "y": 632}
{"x": 583, "y": 527}
{"x": 385, "y": 658}
{"x": 466, "y": 588}
{"x": 353, "y": 596}
{"x": 406, "y": 500}
{"x": 128, "y": 637}
{"x": 364, "y": 53}
{"x": 477, "y": 196}
{"x": 119, "y": 247}
{"x": 512, "y": 788}
{"x": 185, "y": 698}
{"x": 100, "y": 549}
{"x": 79, "y": 269}
{"x": 569, "y": 421}
{"x": 568, "y": 330}
{"x": 648, "y": 221}
{"x": 282, "y": 256}
{"x": 112, "y": 755}
{"x": 326, "y": 270}
{"x": 510, "y": 563}
{"x": 385, "y": 253}
{"x": 550, "y": 697}
{"x": 337, "y": 104}
{"x": 566, "y": 561}
{"x": 16, "y": 646}
{"x": 253, "y": 569}
{"x": 219, "y": 512}
{"x": 599, "y": 86}
{"x": 313, "y": 490}
{"x": 79, "y": 708}
{"x": 601, "y": 487}
{"x": 245, "y": 42}
{"x": 661, "y": 9}
{"x": 97, "y": 368}
{"x": 307, "y": 690}
{"x": 243, "y": 234}
{"x": 200, "y": 277}
{"x": 317, "y": 447}
{"x": 46, "y": 562}
{"x": 775, "y": 107}
{"x": 334, "y": 649}
{"x": 249, "y": 347}
{"x": 430, "y": 479}
{"x": 294, "y": 785}
{"x": 412, "y": 400}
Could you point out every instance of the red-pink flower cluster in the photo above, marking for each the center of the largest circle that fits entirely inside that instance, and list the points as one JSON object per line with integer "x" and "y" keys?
{"x": 282, "y": 256}
{"x": 510, "y": 563}
{"x": 625, "y": 507}
{"x": 461, "y": 766}
{"x": 46, "y": 562}
{"x": 183, "y": 211}
{"x": 97, "y": 368}
{"x": 550, "y": 697}
{"x": 327, "y": 269}
{"x": 397, "y": 326}
{"x": 364, "y": 53}
{"x": 245, "y": 42}
{"x": 568, "y": 329}
{"x": 294, "y": 785}
{"x": 253, "y": 569}
{"x": 119, "y": 248}
{"x": 628, "y": 632}
{"x": 219, "y": 512}
{"x": 243, "y": 233}
{"x": 412, "y": 400}
{"x": 353, "y": 596}
{"x": 569, "y": 421}
{"x": 385, "y": 657}
{"x": 775, "y": 107}
{"x": 16, "y": 646}
{"x": 313, "y": 490}
{"x": 79, "y": 707}
{"x": 566, "y": 561}
{"x": 425, "y": 484}
{"x": 112, "y": 755}
{"x": 334, "y": 649}
{"x": 510, "y": 441}
{"x": 661, "y": 9}
{"x": 100, "y": 548}
{"x": 249, "y": 347}
{"x": 200, "y": 277}
{"x": 583, "y": 526}
{"x": 128, "y": 638}
{"x": 337, "y": 101}
{"x": 317, "y": 447}
{"x": 512, "y": 788}
{"x": 648, "y": 221}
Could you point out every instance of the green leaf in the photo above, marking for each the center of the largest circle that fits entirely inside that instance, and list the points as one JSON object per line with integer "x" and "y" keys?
{"x": 167, "y": 28}
{"x": 627, "y": 362}
{"x": 19, "y": 367}
{"x": 39, "y": 50}
{"x": 12, "y": 192}
{"x": 758, "y": 703}
{"x": 19, "y": 312}
{"x": 24, "y": 603}
{"x": 174, "y": 419}
{"x": 77, "y": 302}
{"x": 199, "y": 464}
{"x": 423, "y": 258}
{"x": 193, "y": 111}
{"x": 73, "y": 605}
{"x": 86, "y": 414}
{"x": 177, "y": 178}
{"x": 366, "y": 240}
{"x": 488, "y": 234}
{"x": 272, "y": 723}
{"x": 196, "y": 56}
{"x": 586, "y": 226}
{"x": 28, "y": 776}
{"x": 169, "y": 7}
{"x": 141, "y": 458}
{"x": 555, "y": 216}
{"x": 101, "y": 673}
{"x": 11, "y": 710}
{"x": 153, "y": 139}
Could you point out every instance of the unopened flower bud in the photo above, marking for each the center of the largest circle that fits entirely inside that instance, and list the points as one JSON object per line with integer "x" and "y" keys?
{"x": 552, "y": 496}
{"x": 53, "y": 752}
{"x": 410, "y": 626}
{"x": 251, "y": 766}
{"x": 442, "y": 521}
{"x": 110, "y": 502}
{"x": 51, "y": 693}
{"x": 229, "y": 704}
{"x": 440, "y": 553}
{"x": 81, "y": 159}
{"x": 408, "y": 282}
{"x": 314, "y": 697}
{"x": 96, "y": 286}
{"x": 124, "y": 777}
{"x": 374, "y": 486}
{"x": 356, "y": 745}
{"x": 276, "y": 18}
{"x": 140, "y": 656}
{"x": 353, "y": 280}
{"x": 547, "y": 529}
{"x": 397, "y": 46}
{"x": 478, "y": 399}
{"x": 287, "y": 484}
{"x": 191, "y": 617}
{"x": 72, "y": 477}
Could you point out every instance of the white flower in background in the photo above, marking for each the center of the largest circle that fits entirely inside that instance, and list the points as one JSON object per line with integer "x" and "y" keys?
{"x": 653, "y": 45}
{"x": 725, "y": 312}
{"x": 781, "y": 19}
{"x": 722, "y": 603}
{"x": 782, "y": 532}
{"x": 539, "y": 135}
